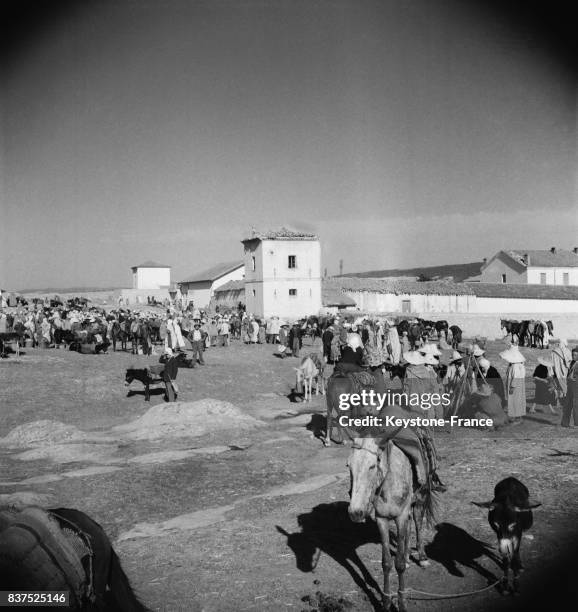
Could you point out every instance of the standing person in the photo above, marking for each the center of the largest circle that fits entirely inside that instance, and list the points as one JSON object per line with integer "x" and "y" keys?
{"x": 225, "y": 330}
{"x": 454, "y": 373}
{"x": 493, "y": 379}
{"x": 197, "y": 343}
{"x": 283, "y": 340}
{"x": 262, "y": 333}
{"x": 275, "y": 327}
{"x": 213, "y": 332}
{"x": 296, "y": 341}
{"x": 561, "y": 358}
{"x": 515, "y": 383}
{"x": 405, "y": 343}
{"x": 269, "y": 334}
{"x": 393, "y": 344}
{"x": 326, "y": 340}
{"x": 545, "y": 392}
{"x": 254, "y": 331}
{"x": 571, "y": 401}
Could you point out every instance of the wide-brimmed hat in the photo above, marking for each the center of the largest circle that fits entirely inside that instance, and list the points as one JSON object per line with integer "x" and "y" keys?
{"x": 477, "y": 351}
{"x": 543, "y": 361}
{"x": 354, "y": 341}
{"x": 513, "y": 355}
{"x": 430, "y": 359}
{"x": 484, "y": 363}
{"x": 414, "y": 358}
{"x": 456, "y": 356}
{"x": 430, "y": 349}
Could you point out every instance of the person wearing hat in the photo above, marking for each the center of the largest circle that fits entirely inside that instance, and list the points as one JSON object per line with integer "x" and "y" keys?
{"x": 515, "y": 383}
{"x": 351, "y": 358}
{"x": 493, "y": 378}
{"x": 571, "y": 400}
{"x": 561, "y": 359}
{"x": 419, "y": 377}
{"x": 326, "y": 340}
{"x": 454, "y": 373}
{"x": 283, "y": 339}
{"x": 197, "y": 341}
{"x": 485, "y": 403}
{"x": 545, "y": 392}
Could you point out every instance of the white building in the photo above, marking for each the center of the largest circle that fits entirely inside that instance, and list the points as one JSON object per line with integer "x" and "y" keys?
{"x": 282, "y": 274}
{"x": 553, "y": 267}
{"x": 200, "y": 288}
{"x": 151, "y": 275}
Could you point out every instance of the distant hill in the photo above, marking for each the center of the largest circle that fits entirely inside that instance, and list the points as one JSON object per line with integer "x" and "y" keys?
{"x": 458, "y": 272}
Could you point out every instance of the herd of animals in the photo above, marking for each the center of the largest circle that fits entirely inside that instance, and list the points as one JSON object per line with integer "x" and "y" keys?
{"x": 383, "y": 488}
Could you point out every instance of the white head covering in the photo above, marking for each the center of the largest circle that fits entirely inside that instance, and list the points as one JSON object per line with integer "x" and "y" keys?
{"x": 430, "y": 349}
{"x": 484, "y": 363}
{"x": 456, "y": 356}
{"x": 477, "y": 351}
{"x": 354, "y": 341}
{"x": 414, "y": 358}
{"x": 513, "y": 355}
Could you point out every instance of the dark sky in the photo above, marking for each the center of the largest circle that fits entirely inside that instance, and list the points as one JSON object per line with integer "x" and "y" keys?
{"x": 404, "y": 132}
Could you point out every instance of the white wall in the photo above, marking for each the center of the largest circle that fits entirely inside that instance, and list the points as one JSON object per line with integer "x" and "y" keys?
{"x": 152, "y": 278}
{"x": 389, "y": 302}
{"x": 238, "y": 274}
{"x": 554, "y": 276}
{"x": 486, "y": 305}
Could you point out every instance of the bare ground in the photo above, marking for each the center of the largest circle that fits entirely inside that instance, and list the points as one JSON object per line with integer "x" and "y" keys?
{"x": 230, "y": 520}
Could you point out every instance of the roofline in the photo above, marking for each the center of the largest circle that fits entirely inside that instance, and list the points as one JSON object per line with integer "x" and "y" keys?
{"x": 214, "y": 278}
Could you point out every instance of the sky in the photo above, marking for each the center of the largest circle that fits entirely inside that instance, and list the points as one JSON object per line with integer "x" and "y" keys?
{"x": 404, "y": 132}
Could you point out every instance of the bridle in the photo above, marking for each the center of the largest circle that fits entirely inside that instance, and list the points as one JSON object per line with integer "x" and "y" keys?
{"x": 368, "y": 450}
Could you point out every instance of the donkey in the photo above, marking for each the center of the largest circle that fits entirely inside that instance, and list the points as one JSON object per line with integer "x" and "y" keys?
{"x": 510, "y": 513}
{"x": 310, "y": 369}
{"x": 383, "y": 486}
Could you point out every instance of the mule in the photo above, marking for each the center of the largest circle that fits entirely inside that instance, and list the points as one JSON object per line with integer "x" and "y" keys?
{"x": 383, "y": 486}
{"x": 107, "y": 587}
{"x": 511, "y": 328}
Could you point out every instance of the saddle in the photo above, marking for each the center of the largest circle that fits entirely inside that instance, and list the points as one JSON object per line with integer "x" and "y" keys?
{"x": 45, "y": 552}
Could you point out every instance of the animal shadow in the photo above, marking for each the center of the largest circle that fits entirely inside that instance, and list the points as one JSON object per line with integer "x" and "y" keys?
{"x": 157, "y": 391}
{"x": 452, "y": 546}
{"x": 328, "y": 528}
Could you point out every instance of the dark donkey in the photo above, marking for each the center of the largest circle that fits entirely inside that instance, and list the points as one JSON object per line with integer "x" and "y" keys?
{"x": 456, "y": 336}
{"x": 510, "y": 513}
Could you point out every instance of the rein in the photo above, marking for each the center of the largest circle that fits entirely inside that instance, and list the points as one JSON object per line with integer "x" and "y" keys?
{"x": 367, "y": 450}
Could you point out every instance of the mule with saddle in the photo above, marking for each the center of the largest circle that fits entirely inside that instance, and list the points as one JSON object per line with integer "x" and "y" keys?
{"x": 63, "y": 549}
{"x": 392, "y": 471}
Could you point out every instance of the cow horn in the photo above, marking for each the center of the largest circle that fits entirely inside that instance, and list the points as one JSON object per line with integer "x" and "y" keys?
{"x": 489, "y": 504}
{"x": 528, "y": 507}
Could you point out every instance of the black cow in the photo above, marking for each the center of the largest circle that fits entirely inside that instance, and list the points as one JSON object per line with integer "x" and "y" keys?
{"x": 510, "y": 514}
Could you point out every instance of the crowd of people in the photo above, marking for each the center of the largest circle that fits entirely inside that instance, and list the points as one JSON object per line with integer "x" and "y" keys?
{"x": 373, "y": 345}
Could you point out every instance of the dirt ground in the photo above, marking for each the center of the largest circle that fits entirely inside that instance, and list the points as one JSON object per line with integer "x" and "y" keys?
{"x": 230, "y": 520}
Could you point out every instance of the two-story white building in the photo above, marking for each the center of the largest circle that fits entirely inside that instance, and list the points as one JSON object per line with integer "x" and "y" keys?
{"x": 527, "y": 267}
{"x": 282, "y": 273}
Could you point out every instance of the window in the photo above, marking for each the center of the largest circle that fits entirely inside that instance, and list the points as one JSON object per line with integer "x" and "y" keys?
{"x": 292, "y": 292}
{"x": 542, "y": 278}
{"x": 254, "y": 293}
{"x": 406, "y": 306}
{"x": 253, "y": 263}
{"x": 292, "y": 261}
{"x": 566, "y": 278}
{"x": 503, "y": 278}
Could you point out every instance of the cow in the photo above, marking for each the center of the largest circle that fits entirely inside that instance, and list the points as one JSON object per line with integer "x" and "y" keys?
{"x": 510, "y": 513}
